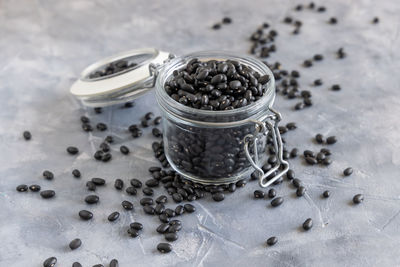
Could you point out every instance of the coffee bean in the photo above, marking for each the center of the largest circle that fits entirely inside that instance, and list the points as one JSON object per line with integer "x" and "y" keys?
{"x": 277, "y": 202}
{"x": 92, "y": 199}
{"x": 101, "y": 126}
{"x": 113, "y": 216}
{"x": 27, "y": 135}
{"x": 131, "y": 190}
{"x": 219, "y": 196}
{"x": 118, "y": 184}
{"x": 331, "y": 140}
{"x": 348, "y": 171}
{"x": 76, "y": 173}
{"x": 85, "y": 215}
{"x": 76, "y": 264}
{"x": 34, "y": 188}
{"x": 72, "y": 150}
{"x": 114, "y": 263}
{"x": 22, "y": 188}
{"x": 164, "y": 247}
{"x": 271, "y": 193}
{"x": 146, "y": 201}
{"x": 297, "y": 182}
{"x": 136, "y": 225}
{"x": 300, "y": 191}
{"x": 124, "y": 150}
{"x": 308, "y": 224}
{"x": 136, "y": 183}
{"x": 50, "y": 262}
{"x": 133, "y": 232}
{"x": 189, "y": 208}
{"x": 161, "y": 199}
{"x": 74, "y": 244}
{"x": 47, "y": 194}
{"x": 272, "y": 241}
{"x": 357, "y": 199}
{"x": 48, "y": 175}
{"x": 99, "y": 181}
{"x": 127, "y": 205}
{"x": 259, "y": 194}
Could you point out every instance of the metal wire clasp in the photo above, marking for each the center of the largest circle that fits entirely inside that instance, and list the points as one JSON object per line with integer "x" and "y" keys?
{"x": 264, "y": 127}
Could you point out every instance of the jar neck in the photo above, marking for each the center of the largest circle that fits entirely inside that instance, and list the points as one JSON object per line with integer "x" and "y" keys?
{"x": 172, "y": 108}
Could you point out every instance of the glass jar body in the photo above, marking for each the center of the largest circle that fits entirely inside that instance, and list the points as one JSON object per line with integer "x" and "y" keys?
{"x": 208, "y": 146}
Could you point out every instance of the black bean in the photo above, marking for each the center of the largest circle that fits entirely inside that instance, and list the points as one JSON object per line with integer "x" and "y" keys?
{"x": 118, "y": 184}
{"x": 87, "y": 127}
{"x": 85, "y": 215}
{"x": 76, "y": 264}
{"x": 179, "y": 210}
{"x": 91, "y": 186}
{"x": 300, "y": 191}
{"x": 156, "y": 132}
{"x": 146, "y": 201}
{"x": 101, "y": 126}
{"x": 189, "y": 208}
{"x": 106, "y": 157}
{"x": 92, "y": 199}
{"x": 74, "y": 244}
{"x": 277, "y": 201}
{"x": 22, "y": 188}
{"x": 159, "y": 209}
{"x": 375, "y": 20}
{"x": 232, "y": 187}
{"x": 294, "y": 152}
{"x": 164, "y": 247}
{"x": 174, "y": 228}
{"x": 299, "y": 106}
{"x": 348, "y": 171}
{"x": 131, "y": 190}
{"x": 227, "y": 20}
{"x": 163, "y": 228}
{"x": 98, "y": 110}
{"x": 271, "y": 193}
{"x": 129, "y": 104}
{"x": 307, "y": 63}
{"x": 85, "y": 119}
{"x": 114, "y": 262}
{"x": 98, "y": 181}
{"x": 161, "y": 199}
{"x": 47, "y": 194}
{"x": 157, "y": 120}
{"x": 326, "y": 194}
{"x": 124, "y": 150}
{"x": 259, "y": 194}
{"x": 98, "y": 155}
{"x": 308, "y": 224}
{"x": 50, "y": 262}
{"x": 272, "y": 241}
{"x": 27, "y": 135}
{"x": 311, "y": 161}
{"x": 72, "y": 150}
{"x": 136, "y": 225}
{"x": 148, "y": 191}
{"x": 104, "y": 147}
{"x": 291, "y": 125}
{"x": 177, "y": 197}
{"x": 169, "y": 212}
{"x": 136, "y": 183}
{"x": 336, "y": 87}
{"x": 326, "y": 151}
{"x": 357, "y": 199}
{"x": 136, "y": 133}
{"x": 163, "y": 218}
{"x": 152, "y": 183}
{"x": 327, "y": 161}
{"x": 333, "y": 20}
{"x": 98, "y": 265}
{"x": 48, "y": 175}
{"x": 319, "y": 138}
{"x": 331, "y": 140}
{"x": 133, "y": 232}
{"x": 320, "y": 157}
{"x": 113, "y": 216}
{"x": 219, "y": 196}
{"x": 297, "y": 182}
{"x": 290, "y": 175}
{"x": 76, "y": 173}
{"x": 318, "y": 57}
{"x": 321, "y": 9}
{"x": 149, "y": 210}
{"x": 127, "y": 205}
{"x": 149, "y": 115}
{"x": 34, "y": 188}
{"x": 241, "y": 183}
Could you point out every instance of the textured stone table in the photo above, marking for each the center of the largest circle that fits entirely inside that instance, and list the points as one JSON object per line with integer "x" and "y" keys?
{"x": 45, "y": 44}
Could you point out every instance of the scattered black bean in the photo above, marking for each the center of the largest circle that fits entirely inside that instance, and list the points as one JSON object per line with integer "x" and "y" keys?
{"x": 318, "y": 82}
{"x": 99, "y": 181}
{"x": 271, "y": 193}
{"x": 136, "y": 225}
{"x": 300, "y": 191}
{"x": 326, "y": 194}
{"x": 321, "y": 9}
{"x": 326, "y": 151}
{"x": 311, "y": 161}
{"x": 133, "y": 232}
{"x": 85, "y": 215}
{"x": 87, "y": 127}
{"x": 148, "y": 191}
{"x": 277, "y": 201}
{"x": 92, "y": 199}
{"x": 333, "y": 20}
{"x": 22, "y": 188}
{"x": 259, "y": 194}
{"x": 189, "y": 208}
{"x": 109, "y": 139}
{"x": 331, "y": 140}
{"x": 357, "y": 199}
{"x": 131, "y": 190}
{"x": 227, "y": 20}
{"x": 35, "y": 188}
{"x": 76, "y": 173}
{"x": 177, "y": 197}
{"x": 163, "y": 228}
{"x": 48, "y": 175}
{"x": 72, "y": 150}
{"x": 152, "y": 183}
{"x": 219, "y": 196}
{"x": 47, "y": 194}
{"x": 101, "y": 126}
{"x": 318, "y": 57}
{"x": 74, "y": 244}
{"x": 91, "y": 186}
{"x": 307, "y": 63}
{"x": 336, "y": 87}
{"x": 157, "y": 120}
{"x": 216, "y": 26}
{"x": 124, "y": 150}
{"x": 146, "y": 201}
{"x": 161, "y": 199}
{"x": 327, "y": 161}
{"x": 113, "y": 216}
{"x": 272, "y": 241}
{"x": 50, "y": 262}
{"x": 308, "y": 224}
{"x": 27, "y": 135}
{"x": 118, "y": 184}
{"x": 348, "y": 171}
{"x": 136, "y": 183}
{"x": 164, "y": 247}
{"x": 76, "y": 264}
{"x": 294, "y": 152}
{"x": 106, "y": 157}
{"x": 127, "y": 205}
{"x": 297, "y": 182}
{"x": 85, "y": 119}
{"x": 375, "y": 20}
{"x": 114, "y": 262}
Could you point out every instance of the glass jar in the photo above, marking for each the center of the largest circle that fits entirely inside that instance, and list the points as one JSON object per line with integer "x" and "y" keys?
{"x": 218, "y": 147}
{"x": 208, "y": 147}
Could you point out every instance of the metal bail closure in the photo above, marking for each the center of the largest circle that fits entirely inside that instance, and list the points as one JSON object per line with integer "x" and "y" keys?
{"x": 119, "y": 78}
{"x": 269, "y": 125}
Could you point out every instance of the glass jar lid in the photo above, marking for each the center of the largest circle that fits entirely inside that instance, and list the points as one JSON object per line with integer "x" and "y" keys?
{"x": 119, "y": 78}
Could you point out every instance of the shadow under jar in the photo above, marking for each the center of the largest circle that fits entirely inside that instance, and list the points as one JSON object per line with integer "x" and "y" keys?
{"x": 219, "y": 146}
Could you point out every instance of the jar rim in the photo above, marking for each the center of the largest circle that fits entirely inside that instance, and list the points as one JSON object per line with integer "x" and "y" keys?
{"x": 168, "y": 103}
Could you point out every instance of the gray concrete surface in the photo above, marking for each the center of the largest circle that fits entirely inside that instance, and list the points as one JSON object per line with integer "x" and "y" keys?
{"x": 45, "y": 44}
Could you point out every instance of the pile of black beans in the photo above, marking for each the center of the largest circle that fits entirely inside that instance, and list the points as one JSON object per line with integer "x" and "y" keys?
{"x": 112, "y": 68}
